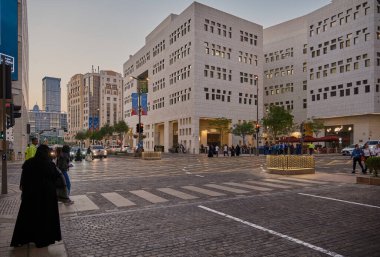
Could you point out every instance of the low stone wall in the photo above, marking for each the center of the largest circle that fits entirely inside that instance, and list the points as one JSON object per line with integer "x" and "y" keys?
{"x": 290, "y": 164}
{"x": 151, "y": 155}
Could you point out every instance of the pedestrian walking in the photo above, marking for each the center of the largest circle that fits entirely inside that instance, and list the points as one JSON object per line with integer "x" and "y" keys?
{"x": 225, "y": 150}
{"x": 366, "y": 153}
{"x": 31, "y": 149}
{"x": 210, "y": 151}
{"x": 232, "y": 150}
{"x": 237, "y": 150}
{"x": 88, "y": 154}
{"x": 376, "y": 151}
{"x": 63, "y": 163}
{"x": 38, "y": 217}
{"x": 356, "y": 156}
{"x": 311, "y": 147}
{"x": 217, "y": 151}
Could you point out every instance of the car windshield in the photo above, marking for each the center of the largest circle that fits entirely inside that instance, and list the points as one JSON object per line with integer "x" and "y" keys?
{"x": 97, "y": 147}
{"x": 372, "y": 142}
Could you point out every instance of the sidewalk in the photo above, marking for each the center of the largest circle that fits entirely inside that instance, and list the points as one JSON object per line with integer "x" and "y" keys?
{"x": 9, "y": 206}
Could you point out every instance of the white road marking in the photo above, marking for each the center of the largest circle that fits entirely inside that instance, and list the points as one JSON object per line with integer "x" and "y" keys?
{"x": 203, "y": 191}
{"x": 248, "y": 186}
{"x": 334, "y": 199}
{"x": 176, "y": 193}
{"x": 268, "y": 184}
{"x": 200, "y": 176}
{"x": 81, "y": 203}
{"x": 148, "y": 196}
{"x": 286, "y": 182}
{"x": 117, "y": 199}
{"x": 229, "y": 189}
{"x": 292, "y": 239}
{"x": 305, "y": 180}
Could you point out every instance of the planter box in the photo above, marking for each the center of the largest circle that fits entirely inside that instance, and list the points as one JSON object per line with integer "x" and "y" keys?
{"x": 368, "y": 180}
{"x": 290, "y": 164}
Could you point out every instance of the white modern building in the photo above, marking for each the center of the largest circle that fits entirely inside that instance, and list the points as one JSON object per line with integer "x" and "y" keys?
{"x": 338, "y": 46}
{"x": 201, "y": 64}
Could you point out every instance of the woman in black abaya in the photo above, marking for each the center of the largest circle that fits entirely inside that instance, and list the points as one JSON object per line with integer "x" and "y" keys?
{"x": 38, "y": 217}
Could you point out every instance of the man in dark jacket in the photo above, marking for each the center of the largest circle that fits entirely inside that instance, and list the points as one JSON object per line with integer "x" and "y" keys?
{"x": 38, "y": 218}
{"x": 356, "y": 156}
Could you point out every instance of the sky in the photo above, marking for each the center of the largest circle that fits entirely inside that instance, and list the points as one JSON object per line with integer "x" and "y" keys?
{"x": 67, "y": 37}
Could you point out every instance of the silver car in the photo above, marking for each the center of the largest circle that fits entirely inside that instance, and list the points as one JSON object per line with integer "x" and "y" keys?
{"x": 98, "y": 151}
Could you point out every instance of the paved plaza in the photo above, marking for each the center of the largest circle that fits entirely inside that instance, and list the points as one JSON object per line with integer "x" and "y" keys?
{"x": 191, "y": 205}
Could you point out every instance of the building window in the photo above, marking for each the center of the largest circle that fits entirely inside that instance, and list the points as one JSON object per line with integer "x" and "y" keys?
{"x": 367, "y": 63}
{"x": 367, "y": 88}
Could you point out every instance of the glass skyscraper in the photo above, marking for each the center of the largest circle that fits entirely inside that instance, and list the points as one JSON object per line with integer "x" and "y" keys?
{"x": 51, "y": 94}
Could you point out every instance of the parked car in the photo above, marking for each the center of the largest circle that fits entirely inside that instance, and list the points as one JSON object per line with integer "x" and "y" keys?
{"x": 113, "y": 148}
{"x": 372, "y": 144}
{"x": 348, "y": 150}
{"x": 127, "y": 149}
{"x": 98, "y": 151}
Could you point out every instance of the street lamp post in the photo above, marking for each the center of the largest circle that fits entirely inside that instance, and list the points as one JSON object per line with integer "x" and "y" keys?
{"x": 139, "y": 91}
{"x": 257, "y": 114}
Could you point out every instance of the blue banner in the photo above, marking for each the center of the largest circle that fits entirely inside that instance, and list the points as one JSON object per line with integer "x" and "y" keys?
{"x": 135, "y": 104}
{"x": 89, "y": 122}
{"x": 96, "y": 122}
{"x": 144, "y": 104}
{"x": 9, "y": 35}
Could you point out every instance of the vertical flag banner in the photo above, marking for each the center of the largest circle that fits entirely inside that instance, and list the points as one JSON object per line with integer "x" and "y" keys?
{"x": 144, "y": 104}
{"x": 135, "y": 104}
{"x": 9, "y": 35}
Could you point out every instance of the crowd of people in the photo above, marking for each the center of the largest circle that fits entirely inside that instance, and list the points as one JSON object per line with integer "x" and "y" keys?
{"x": 274, "y": 149}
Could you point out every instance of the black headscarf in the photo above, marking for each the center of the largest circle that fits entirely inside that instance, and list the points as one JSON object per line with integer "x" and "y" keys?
{"x": 43, "y": 153}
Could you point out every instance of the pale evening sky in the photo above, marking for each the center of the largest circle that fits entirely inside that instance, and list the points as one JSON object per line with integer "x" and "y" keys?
{"x": 67, "y": 37}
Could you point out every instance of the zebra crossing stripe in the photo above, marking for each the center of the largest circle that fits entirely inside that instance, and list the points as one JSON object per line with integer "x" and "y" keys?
{"x": 176, "y": 193}
{"x": 305, "y": 180}
{"x": 268, "y": 184}
{"x": 117, "y": 199}
{"x": 287, "y": 182}
{"x": 248, "y": 186}
{"x": 229, "y": 189}
{"x": 203, "y": 191}
{"x": 81, "y": 203}
{"x": 148, "y": 196}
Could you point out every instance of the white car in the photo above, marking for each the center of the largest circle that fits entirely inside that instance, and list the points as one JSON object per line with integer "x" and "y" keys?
{"x": 372, "y": 144}
{"x": 98, "y": 151}
{"x": 348, "y": 149}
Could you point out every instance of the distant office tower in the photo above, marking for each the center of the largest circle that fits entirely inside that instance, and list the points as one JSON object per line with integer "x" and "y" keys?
{"x": 51, "y": 94}
{"x": 93, "y": 100}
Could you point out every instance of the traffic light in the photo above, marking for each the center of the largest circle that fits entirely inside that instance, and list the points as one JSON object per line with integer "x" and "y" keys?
{"x": 141, "y": 128}
{"x": 13, "y": 112}
{"x": 137, "y": 127}
{"x": 1, "y": 135}
{"x": 8, "y": 81}
{"x": 257, "y": 128}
